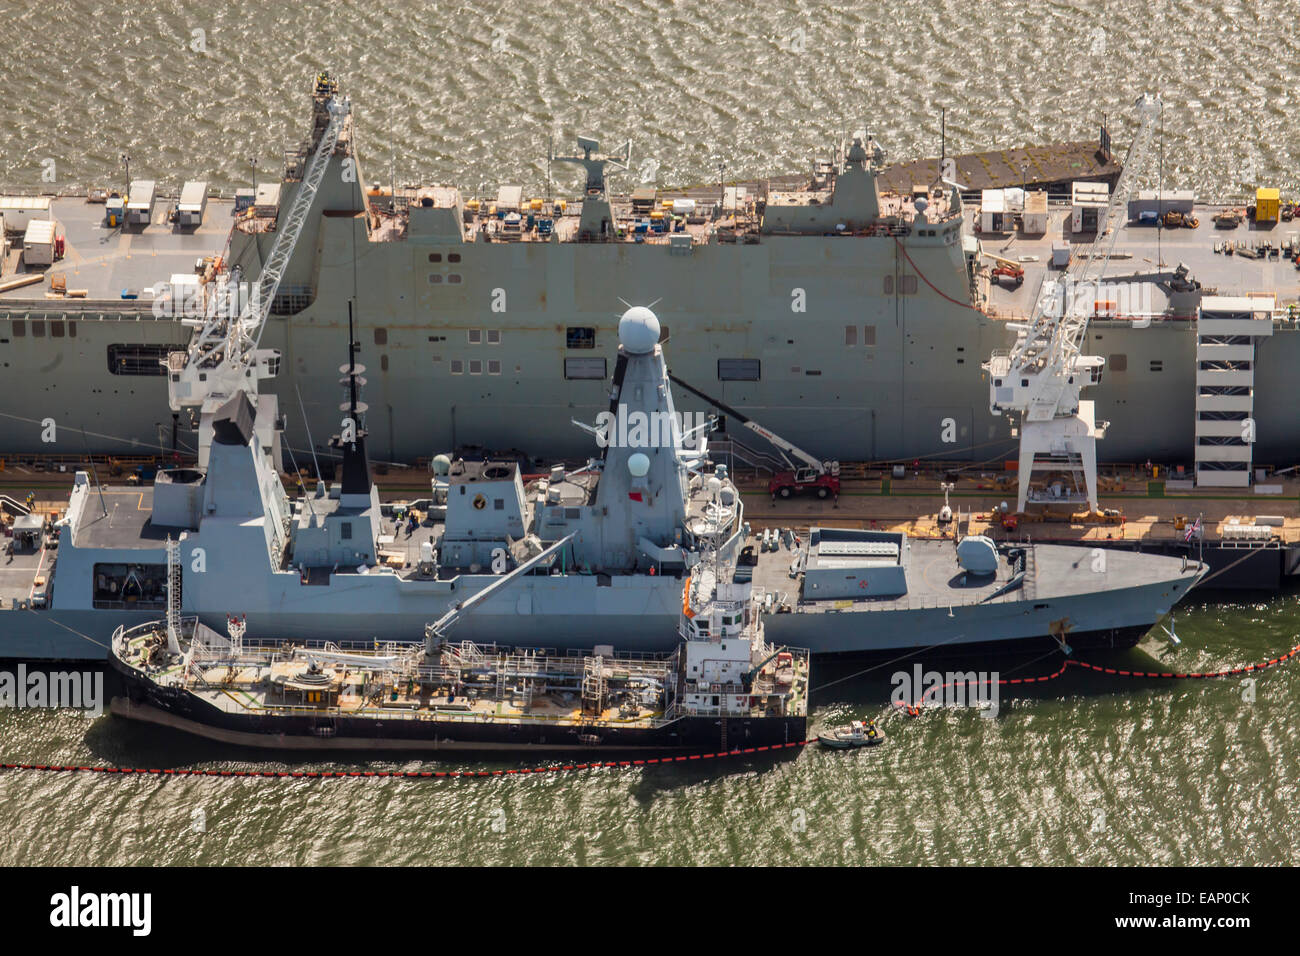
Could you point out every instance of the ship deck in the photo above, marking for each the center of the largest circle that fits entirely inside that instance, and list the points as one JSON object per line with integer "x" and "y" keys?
{"x": 934, "y": 579}
{"x": 124, "y": 521}
{"x": 262, "y": 681}
{"x": 1144, "y": 250}
{"x": 19, "y": 570}
{"x": 105, "y": 262}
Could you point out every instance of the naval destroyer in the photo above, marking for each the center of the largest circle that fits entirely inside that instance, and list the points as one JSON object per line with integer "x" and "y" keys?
{"x": 570, "y": 558}
{"x": 853, "y": 316}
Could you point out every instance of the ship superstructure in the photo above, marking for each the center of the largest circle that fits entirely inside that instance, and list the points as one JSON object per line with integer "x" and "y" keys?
{"x": 854, "y": 317}
{"x": 723, "y": 686}
{"x": 573, "y": 557}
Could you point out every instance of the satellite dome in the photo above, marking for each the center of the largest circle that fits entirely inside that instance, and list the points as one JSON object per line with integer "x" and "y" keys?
{"x": 638, "y": 330}
{"x": 638, "y": 464}
{"x": 441, "y": 464}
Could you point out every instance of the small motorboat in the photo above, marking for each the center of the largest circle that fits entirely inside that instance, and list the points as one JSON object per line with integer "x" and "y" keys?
{"x": 859, "y": 733}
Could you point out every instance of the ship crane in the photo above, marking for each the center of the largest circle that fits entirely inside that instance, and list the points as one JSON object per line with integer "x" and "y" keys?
{"x": 815, "y": 474}
{"x": 1039, "y": 378}
{"x": 223, "y": 354}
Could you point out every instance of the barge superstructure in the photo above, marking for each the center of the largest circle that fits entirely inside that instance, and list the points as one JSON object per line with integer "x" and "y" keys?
{"x": 723, "y": 686}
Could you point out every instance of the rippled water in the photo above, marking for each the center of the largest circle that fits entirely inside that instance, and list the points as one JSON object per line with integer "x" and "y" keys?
{"x": 469, "y": 92}
{"x": 1088, "y": 769}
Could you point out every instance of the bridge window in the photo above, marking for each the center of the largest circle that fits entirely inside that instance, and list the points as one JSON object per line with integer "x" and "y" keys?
{"x": 850, "y": 335}
{"x": 133, "y": 586}
{"x": 20, "y": 328}
{"x": 868, "y": 335}
{"x": 740, "y": 370}
{"x": 1157, "y": 365}
{"x": 579, "y": 338}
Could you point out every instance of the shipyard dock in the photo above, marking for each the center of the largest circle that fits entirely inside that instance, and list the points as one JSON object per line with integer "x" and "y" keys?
{"x": 1254, "y": 539}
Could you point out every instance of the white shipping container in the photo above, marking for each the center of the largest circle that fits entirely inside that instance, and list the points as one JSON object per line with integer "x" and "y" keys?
{"x": 193, "y": 202}
{"x": 266, "y": 201}
{"x": 139, "y": 201}
{"x": 38, "y": 243}
{"x": 1034, "y": 219}
{"x": 18, "y": 211}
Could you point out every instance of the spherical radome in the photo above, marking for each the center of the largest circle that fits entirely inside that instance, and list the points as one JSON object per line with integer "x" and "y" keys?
{"x": 638, "y": 330}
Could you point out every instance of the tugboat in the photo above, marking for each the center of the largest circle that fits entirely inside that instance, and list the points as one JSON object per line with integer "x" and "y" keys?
{"x": 724, "y": 687}
{"x": 857, "y": 733}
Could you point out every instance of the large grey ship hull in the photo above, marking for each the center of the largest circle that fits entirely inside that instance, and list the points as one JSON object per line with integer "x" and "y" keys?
{"x": 852, "y": 403}
{"x": 867, "y": 344}
{"x": 1115, "y": 620}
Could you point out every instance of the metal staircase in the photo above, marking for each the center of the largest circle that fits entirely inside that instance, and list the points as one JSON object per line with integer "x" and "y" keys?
{"x": 14, "y": 506}
{"x": 593, "y": 685}
{"x": 173, "y": 595}
{"x": 720, "y": 447}
{"x": 1227, "y": 329}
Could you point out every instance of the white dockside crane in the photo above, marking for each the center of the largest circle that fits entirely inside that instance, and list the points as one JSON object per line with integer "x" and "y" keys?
{"x": 1039, "y": 378}
{"x": 223, "y": 354}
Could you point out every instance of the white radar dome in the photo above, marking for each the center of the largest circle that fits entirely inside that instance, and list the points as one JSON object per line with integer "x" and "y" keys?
{"x": 638, "y": 330}
{"x": 638, "y": 464}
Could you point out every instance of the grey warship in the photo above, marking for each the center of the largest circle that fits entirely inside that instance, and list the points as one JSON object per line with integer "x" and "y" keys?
{"x": 832, "y": 309}
{"x": 617, "y": 536}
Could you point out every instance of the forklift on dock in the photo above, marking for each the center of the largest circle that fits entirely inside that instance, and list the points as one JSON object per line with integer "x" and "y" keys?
{"x": 1013, "y": 272}
{"x": 821, "y": 478}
